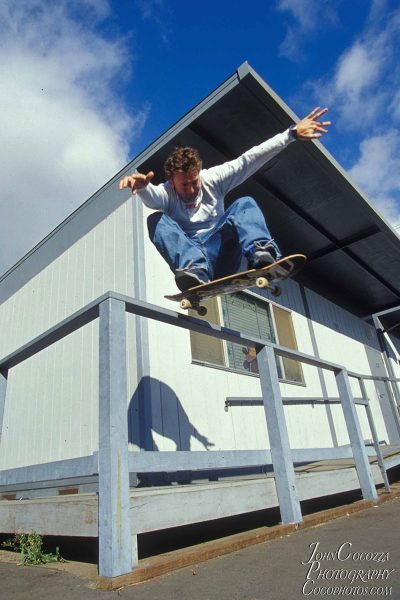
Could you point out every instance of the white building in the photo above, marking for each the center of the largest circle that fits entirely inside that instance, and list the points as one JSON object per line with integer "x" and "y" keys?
{"x": 187, "y": 392}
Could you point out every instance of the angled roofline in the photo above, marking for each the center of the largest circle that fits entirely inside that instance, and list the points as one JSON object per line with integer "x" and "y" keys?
{"x": 243, "y": 71}
{"x": 91, "y": 212}
{"x": 104, "y": 201}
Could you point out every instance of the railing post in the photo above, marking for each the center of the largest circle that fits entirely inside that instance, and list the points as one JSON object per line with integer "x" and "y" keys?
{"x": 393, "y": 406}
{"x": 363, "y": 468}
{"x": 3, "y": 391}
{"x": 115, "y": 544}
{"x": 394, "y": 385}
{"x": 285, "y": 481}
{"x": 379, "y": 456}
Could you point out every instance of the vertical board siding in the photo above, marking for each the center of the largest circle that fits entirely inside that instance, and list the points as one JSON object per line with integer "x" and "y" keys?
{"x": 100, "y": 261}
{"x": 51, "y": 410}
{"x": 343, "y": 338}
{"x": 190, "y": 398}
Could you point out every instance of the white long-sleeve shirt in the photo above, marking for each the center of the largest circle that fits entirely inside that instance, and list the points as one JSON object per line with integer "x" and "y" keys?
{"x": 203, "y": 212}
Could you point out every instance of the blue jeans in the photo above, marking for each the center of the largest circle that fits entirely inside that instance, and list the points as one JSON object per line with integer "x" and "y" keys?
{"x": 217, "y": 252}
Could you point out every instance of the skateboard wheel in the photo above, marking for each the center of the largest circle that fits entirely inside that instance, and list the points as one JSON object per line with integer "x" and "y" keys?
{"x": 262, "y": 282}
{"x": 185, "y": 304}
{"x": 202, "y": 311}
{"x": 276, "y": 291}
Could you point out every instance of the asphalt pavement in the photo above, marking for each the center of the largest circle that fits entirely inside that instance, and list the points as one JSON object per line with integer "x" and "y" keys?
{"x": 353, "y": 556}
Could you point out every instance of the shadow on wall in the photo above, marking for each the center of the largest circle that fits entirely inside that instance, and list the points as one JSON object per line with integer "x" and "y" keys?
{"x": 156, "y": 407}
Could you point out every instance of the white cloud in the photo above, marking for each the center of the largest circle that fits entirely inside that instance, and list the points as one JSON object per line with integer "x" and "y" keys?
{"x": 377, "y": 171}
{"x": 307, "y": 16}
{"x": 363, "y": 93}
{"x": 303, "y": 11}
{"x": 394, "y": 105}
{"x": 64, "y": 131}
{"x": 355, "y": 90}
{"x": 358, "y": 69}
{"x": 367, "y": 74}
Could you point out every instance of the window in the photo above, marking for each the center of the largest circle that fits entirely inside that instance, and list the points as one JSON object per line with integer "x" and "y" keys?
{"x": 204, "y": 347}
{"x": 255, "y": 317}
{"x": 245, "y": 313}
{"x": 287, "y": 367}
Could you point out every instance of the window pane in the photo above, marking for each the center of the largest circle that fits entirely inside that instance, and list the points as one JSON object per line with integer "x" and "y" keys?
{"x": 284, "y": 325}
{"x": 205, "y": 348}
{"x": 244, "y": 313}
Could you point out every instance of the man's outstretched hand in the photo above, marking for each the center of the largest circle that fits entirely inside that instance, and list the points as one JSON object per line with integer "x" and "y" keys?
{"x": 310, "y": 127}
{"x": 136, "y": 181}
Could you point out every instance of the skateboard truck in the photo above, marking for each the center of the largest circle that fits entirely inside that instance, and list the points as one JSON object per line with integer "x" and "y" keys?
{"x": 191, "y": 303}
{"x": 263, "y": 282}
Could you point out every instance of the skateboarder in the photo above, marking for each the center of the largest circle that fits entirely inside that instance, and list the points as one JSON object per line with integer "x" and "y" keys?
{"x": 198, "y": 239}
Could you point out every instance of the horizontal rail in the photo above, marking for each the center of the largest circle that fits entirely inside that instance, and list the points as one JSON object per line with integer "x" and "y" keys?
{"x": 137, "y": 307}
{"x": 167, "y": 461}
{"x": 62, "y": 469}
{"x": 170, "y": 317}
{"x": 72, "y": 323}
{"x": 27, "y": 487}
{"x": 373, "y": 377}
{"x": 258, "y": 401}
{"x": 190, "y": 460}
{"x": 144, "y": 309}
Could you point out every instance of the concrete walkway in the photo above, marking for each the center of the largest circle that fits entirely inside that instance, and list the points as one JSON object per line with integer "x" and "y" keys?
{"x": 361, "y": 550}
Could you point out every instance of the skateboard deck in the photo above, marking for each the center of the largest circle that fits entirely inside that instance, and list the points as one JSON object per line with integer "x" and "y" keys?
{"x": 262, "y": 278}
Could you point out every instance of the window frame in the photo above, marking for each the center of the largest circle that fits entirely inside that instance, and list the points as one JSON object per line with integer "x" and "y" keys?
{"x": 227, "y": 367}
{"x": 285, "y": 379}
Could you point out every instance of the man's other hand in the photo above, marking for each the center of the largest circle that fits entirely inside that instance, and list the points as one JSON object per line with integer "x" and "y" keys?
{"x": 136, "y": 181}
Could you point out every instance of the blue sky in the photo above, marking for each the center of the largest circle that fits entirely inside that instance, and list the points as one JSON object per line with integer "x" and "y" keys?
{"x": 87, "y": 84}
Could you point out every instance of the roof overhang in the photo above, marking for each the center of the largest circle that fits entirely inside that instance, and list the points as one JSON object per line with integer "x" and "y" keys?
{"x": 311, "y": 205}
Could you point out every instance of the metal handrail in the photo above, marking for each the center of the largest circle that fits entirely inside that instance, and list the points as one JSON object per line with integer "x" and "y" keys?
{"x": 144, "y": 309}
{"x": 114, "y": 460}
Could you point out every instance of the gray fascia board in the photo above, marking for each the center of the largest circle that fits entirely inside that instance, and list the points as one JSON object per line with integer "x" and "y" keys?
{"x": 181, "y": 124}
{"x": 92, "y": 212}
{"x": 246, "y": 70}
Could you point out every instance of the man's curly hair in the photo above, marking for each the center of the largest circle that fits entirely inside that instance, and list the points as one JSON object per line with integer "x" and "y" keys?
{"x": 182, "y": 160}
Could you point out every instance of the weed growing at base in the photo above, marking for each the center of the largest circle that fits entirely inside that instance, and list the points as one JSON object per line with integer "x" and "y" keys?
{"x": 30, "y": 547}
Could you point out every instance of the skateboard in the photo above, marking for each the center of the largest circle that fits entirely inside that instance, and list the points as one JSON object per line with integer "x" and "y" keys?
{"x": 262, "y": 278}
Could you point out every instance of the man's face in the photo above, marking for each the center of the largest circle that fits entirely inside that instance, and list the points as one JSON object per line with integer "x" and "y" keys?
{"x": 187, "y": 184}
